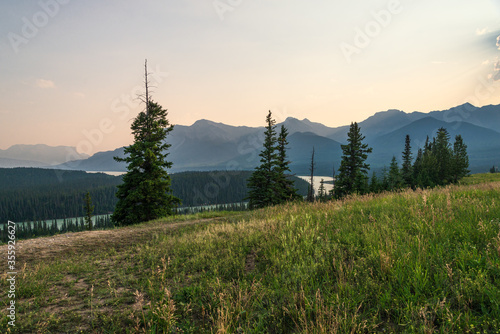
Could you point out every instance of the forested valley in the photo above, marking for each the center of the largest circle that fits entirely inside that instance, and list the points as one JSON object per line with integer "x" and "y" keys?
{"x": 40, "y": 195}
{"x": 29, "y": 194}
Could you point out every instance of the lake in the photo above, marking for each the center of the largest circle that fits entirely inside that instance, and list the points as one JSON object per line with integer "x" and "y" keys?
{"x": 109, "y": 173}
{"x": 317, "y": 181}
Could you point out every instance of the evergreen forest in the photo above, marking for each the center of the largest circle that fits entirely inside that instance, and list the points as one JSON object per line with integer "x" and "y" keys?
{"x": 38, "y": 195}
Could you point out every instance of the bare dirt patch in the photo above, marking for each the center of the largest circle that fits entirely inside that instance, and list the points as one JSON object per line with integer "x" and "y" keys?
{"x": 84, "y": 297}
{"x": 250, "y": 262}
{"x": 77, "y": 242}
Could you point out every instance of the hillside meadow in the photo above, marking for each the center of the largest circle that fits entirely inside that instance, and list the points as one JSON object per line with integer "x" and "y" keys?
{"x": 425, "y": 261}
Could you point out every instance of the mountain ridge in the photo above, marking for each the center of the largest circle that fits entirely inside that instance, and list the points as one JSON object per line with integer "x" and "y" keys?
{"x": 208, "y": 145}
{"x": 483, "y": 144}
{"x": 42, "y": 153}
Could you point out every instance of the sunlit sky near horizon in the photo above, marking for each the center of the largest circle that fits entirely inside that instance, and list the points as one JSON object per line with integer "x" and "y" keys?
{"x": 71, "y": 70}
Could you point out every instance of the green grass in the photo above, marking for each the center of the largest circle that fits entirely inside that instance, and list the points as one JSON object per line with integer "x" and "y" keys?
{"x": 425, "y": 261}
{"x": 481, "y": 178}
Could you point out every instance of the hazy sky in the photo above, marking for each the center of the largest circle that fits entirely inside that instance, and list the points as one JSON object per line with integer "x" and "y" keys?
{"x": 71, "y": 70}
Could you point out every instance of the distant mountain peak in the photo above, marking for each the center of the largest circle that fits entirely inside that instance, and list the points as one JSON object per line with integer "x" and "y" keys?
{"x": 202, "y": 121}
{"x": 389, "y": 112}
{"x": 38, "y": 146}
{"x": 396, "y": 111}
{"x": 467, "y": 105}
{"x": 291, "y": 119}
{"x": 209, "y": 145}
{"x": 42, "y": 153}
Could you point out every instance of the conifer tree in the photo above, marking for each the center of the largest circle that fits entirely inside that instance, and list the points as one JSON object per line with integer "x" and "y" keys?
{"x": 285, "y": 186}
{"x": 310, "y": 193}
{"x": 89, "y": 209}
{"x": 145, "y": 193}
{"x": 375, "y": 185}
{"x": 332, "y": 191}
{"x": 322, "y": 190}
{"x": 353, "y": 169}
{"x": 460, "y": 163}
{"x": 443, "y": 154}
{"x": 395, "y": 179}
{"x": 406, "y": 167}
{"x": 417, "y": 168}
{"x": 262, "y": 183}
{"x": 438, "y": 163}
{"x": 428, "y": 173}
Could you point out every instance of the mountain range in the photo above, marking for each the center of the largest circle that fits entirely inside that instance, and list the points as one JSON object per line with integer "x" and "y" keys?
{"x": 208, "y": 145}
{"x": 39, "y": 155}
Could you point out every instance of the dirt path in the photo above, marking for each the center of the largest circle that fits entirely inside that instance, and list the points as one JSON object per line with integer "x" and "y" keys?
{"x": 76, "y": 242}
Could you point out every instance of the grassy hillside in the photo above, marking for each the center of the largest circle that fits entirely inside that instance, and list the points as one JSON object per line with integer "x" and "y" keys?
{"x": 408, "y": 262}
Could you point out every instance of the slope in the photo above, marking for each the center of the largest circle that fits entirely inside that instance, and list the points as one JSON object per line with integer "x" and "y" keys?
{"x": 101, "y": 161}
{"x": 413, "y": 261}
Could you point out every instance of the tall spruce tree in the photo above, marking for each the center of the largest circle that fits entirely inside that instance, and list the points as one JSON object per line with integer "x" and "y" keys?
{"x": 353, "y": 170}
{"x": 145, "y": 193}
{"x": 428, "y": 172}
{"x": 285, "y": 186}
{"x": 460, "y": 163}
{"x": 406, "y": 167}
{"x": 395, "y": 179}
{"x": 310, "y": 192}
{"x": 443, "y": 153}
{"x": 262, "y": 184}
{"x": 269, "y": 184}
{"x": 417, "y": 168}
{"x": 89, "y": 209}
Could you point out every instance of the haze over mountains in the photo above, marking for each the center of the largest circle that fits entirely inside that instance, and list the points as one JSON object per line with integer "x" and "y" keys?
{"x": 207, "y": 145}
{"x": 39, "y": 155}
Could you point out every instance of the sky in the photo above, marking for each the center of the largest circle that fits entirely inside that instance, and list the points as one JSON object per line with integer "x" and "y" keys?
{"x": 71, "y": 71}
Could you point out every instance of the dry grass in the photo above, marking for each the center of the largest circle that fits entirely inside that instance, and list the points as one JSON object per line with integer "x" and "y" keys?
{"x": 45, "y": 248}
{"x": 420, "y": 261}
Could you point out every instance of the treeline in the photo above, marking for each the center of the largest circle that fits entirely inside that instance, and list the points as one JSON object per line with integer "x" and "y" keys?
{"x": 35, "y": 194}
{"x": 241, "y": 206}
{"x": 209, "y": 188}
{"x": 437, "y": 163}
{"x": 45, "y": 228}
{"x": 217, "y": 187}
